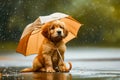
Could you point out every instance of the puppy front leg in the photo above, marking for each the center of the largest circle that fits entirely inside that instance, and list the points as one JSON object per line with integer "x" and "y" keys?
{"x": 61, "y": 66}
{"x": 48, "y": 63}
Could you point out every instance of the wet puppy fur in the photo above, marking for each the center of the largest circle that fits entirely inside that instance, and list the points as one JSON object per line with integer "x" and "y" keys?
{"x": 48, "y": 58}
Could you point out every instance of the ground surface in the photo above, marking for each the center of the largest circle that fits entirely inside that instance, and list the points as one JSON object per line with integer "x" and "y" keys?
{"x": 88, "y": 64}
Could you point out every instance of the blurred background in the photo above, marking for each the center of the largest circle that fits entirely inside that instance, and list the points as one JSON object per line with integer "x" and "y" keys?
{"x": 101, "y": 19}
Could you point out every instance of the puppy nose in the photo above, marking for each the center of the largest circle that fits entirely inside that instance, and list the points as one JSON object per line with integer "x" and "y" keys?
{"x": 59, "y": 32}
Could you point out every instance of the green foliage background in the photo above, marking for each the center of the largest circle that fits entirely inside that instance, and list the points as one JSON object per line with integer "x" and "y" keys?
{"x": 101, "y": 19}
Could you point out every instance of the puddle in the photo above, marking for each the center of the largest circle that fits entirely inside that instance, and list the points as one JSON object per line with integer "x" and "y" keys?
{"x": 87, "y": 65}
{"x": 12, "y": 73}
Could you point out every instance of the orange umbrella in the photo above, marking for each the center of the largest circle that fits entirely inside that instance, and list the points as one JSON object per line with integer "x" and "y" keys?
{"x": 31, "y": 39}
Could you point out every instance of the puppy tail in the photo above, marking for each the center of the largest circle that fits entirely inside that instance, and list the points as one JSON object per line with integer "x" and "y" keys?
{"x": 70, "y": 66}
{"x": 27, "y": 70}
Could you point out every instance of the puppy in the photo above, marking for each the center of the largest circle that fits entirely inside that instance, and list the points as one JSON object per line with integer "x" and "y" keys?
{"x": 51, "y": 54}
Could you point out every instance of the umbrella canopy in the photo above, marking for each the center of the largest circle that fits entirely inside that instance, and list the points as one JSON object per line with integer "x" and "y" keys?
{"x": 31, "y": 39}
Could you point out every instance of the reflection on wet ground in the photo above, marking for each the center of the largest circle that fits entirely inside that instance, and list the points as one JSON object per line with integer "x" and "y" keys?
{"x": 88, "y": 64}
{"x": 12, "y": 73}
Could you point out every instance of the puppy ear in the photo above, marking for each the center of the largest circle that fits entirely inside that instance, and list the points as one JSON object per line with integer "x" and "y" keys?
{"x": 45, "y": 30}
{"x": 65, "y": 32}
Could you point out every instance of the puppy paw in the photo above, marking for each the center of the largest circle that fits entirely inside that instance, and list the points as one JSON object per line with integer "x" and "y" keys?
{"x": 50, "y": 69}
{"x": 62, "y": 69}
{"x": 42, "y": 70}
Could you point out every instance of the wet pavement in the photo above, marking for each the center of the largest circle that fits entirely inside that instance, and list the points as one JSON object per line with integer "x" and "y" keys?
{"x": 88, "y": 64}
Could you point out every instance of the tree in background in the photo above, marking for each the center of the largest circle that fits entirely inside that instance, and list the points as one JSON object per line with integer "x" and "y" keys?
{"x": 101, "y": 18}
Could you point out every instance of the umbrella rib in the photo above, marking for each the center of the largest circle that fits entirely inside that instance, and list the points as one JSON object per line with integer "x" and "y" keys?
{"x": 37, "y": 28}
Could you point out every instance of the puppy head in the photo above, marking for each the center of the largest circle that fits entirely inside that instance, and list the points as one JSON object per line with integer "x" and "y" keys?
{"x": 55, "y": 31}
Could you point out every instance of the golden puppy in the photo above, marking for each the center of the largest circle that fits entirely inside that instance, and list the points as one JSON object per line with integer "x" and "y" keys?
{"x": 48, "y": 58}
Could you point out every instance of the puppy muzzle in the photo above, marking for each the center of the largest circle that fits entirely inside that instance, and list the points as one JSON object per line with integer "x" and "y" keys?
{"x": 59, "y": 33}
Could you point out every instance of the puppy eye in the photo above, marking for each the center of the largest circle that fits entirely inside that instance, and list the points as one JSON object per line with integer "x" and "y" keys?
{"x": 52, "y": 27}
{"x": 62, "y": 27}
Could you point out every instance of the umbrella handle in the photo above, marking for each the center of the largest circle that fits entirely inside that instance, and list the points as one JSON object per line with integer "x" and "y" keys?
{"x": 60, "y": 55}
